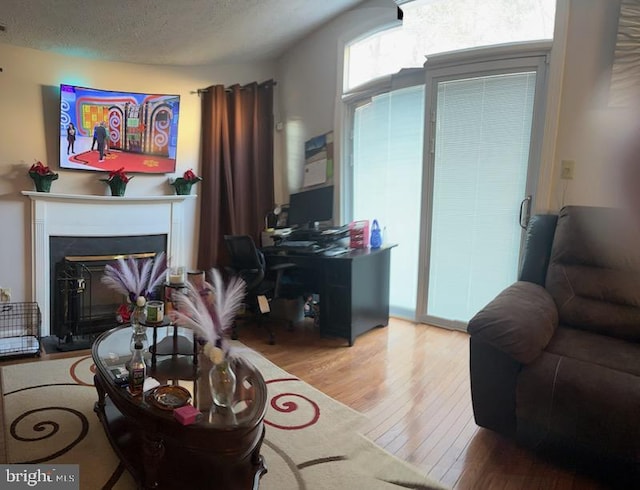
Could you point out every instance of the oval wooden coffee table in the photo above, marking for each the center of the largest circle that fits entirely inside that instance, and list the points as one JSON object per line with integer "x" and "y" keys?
{"x": 221, "y": 450}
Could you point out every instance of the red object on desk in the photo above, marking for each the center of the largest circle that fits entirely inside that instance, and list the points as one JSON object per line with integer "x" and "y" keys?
{"x": 359, "y": 234}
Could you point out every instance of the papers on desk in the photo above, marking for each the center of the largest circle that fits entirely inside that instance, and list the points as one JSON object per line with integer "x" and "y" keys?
{"x": 334, "y": 252}
{"x": 335, "y": 231}
{"x": 267, "y": 237}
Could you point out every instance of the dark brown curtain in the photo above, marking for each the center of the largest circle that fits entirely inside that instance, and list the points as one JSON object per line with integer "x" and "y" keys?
{"x": 237, "y": 166}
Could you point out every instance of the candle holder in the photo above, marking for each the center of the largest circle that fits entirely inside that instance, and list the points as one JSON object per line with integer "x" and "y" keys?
{"x": 176, "y": 275}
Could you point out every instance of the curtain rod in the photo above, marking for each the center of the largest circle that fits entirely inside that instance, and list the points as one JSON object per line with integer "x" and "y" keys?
{"x": 204, "y": 90}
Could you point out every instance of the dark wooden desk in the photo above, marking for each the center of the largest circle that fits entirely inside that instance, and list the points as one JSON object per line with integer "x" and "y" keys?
{"x": 353, "y": 288}
{"x": 221, "y": 451}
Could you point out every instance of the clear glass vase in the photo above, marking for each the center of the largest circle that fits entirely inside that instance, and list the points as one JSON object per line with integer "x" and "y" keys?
{"x": 139, "y": 319}
{"x": 222, "y": 382}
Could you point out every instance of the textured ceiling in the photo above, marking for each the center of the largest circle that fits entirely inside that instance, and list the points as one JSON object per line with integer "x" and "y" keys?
{"x": 166, "y": 32}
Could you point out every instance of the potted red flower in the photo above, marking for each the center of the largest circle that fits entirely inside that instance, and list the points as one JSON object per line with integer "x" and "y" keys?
{"x": 183, "y": 184}
{"x": 117, "y": 181}
{"x": 42, "y": 176}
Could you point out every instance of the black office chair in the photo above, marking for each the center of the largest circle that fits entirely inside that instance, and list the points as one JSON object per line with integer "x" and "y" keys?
{"x": 263, "y": 284}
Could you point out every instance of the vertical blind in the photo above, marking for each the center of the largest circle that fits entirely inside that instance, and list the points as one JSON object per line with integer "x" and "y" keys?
{"x": 482, "y": 140}
{"x": 387, "y": 182}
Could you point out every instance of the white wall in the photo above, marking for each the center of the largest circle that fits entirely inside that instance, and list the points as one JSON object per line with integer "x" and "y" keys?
{"x": 589, "y": 131}
{"x": 310, "y": 79}
{"x": 29, "y": 98}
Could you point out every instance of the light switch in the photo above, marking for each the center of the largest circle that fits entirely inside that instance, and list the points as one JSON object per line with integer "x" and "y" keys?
{"x": 567, "y": 168}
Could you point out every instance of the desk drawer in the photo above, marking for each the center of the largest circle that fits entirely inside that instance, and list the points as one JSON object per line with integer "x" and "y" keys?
{"x": 338, "y": 273}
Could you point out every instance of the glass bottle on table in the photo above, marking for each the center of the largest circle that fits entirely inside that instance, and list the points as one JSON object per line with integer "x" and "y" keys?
{"x": 139, "y": 315}
{"x": 137, "y": 370}
{"x": 141, "y": 337}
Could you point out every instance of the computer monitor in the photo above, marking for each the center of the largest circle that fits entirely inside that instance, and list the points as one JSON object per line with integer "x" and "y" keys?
{"x": 308, "y": 207}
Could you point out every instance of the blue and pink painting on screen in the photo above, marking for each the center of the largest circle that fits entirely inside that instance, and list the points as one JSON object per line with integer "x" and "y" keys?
{"x": 141, "y": 130}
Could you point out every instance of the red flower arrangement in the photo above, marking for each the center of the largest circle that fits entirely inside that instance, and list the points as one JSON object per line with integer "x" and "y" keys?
{"x": 118, "y": 174}
{"x": 123, "y": 313}
{"x": 42, "y": 176}
{"x": 117, "y": 181}
{"x": 41, "y": 169}
{"x": 190, "y": 176}
{"x": 183, "y": 184}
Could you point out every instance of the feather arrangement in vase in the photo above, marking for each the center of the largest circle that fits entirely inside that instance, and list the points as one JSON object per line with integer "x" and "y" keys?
{"x": 136, "y": 279}
{"x": 212, "y": 320}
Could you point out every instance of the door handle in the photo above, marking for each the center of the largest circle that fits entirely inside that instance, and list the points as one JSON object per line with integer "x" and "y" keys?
{"x": 525, "y": 215}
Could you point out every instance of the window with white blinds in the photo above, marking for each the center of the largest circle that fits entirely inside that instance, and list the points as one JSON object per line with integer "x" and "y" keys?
{"x": 385, "y": 178}
{"x": 482, "y": 141}
{"x": 387, "y": 181}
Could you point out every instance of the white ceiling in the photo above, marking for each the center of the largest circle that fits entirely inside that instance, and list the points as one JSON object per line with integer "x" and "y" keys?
{"x": 165, "y": 32}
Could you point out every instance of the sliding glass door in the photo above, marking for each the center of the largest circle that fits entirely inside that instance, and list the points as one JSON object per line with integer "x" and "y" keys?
{"x": 480, "y": 166}
{"x": 387, "y": 177}
{"x": 443, "y": 159}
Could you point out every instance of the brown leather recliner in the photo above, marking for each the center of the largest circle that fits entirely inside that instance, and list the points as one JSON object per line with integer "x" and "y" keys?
{"x": 555, "y": 357}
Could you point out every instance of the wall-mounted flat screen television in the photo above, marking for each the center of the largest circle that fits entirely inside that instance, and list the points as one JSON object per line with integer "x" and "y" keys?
{"x": 102, "y": 130}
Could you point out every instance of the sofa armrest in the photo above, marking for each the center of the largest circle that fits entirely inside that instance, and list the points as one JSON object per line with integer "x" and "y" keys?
{"x": 520, "y": 321}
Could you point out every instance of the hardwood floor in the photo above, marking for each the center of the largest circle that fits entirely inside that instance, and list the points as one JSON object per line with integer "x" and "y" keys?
{"x": 412, "y": 382}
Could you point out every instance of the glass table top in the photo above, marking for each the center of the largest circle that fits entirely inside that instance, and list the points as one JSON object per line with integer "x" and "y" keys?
{"x": 178, "y": 367}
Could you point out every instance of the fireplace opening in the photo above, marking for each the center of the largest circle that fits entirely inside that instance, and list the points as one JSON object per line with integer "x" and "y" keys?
{"x": 86, "y": 305}
{"x": 82, "y": 307}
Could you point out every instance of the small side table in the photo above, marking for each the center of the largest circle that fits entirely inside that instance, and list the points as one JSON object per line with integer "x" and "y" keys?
{"x": 173, "y": 345}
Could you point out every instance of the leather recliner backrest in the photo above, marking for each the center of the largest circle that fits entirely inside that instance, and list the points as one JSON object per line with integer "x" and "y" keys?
{"x": 537, "y": 248}
{"x": 594, "y": 271}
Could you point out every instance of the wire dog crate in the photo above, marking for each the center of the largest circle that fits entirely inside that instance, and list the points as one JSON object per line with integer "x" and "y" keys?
{"x": 20, "y": 329}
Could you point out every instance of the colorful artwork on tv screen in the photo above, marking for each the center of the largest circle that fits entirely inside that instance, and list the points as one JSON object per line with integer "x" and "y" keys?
{"x": 104, "y": 130}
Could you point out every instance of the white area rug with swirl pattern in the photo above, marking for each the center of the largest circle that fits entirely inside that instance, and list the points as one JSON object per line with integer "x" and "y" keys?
{"x": 312, "y": 441}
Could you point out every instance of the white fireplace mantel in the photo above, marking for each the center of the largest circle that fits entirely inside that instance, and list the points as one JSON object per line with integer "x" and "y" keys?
{"x": 86, "y": 216}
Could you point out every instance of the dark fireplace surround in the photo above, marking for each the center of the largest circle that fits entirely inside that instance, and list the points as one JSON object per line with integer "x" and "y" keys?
{"x": 80, "y": 304}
